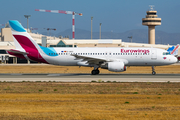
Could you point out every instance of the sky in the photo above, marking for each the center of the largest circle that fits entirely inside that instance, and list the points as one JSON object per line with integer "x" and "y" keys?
{"x": 115, "y": 15}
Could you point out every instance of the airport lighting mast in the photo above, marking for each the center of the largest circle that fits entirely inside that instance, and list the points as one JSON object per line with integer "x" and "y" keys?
{"x": 64, "y": 12}
{"x": 151, "y": 21}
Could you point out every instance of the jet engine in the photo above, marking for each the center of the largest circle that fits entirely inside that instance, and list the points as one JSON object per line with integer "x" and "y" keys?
{"x": 116, "y": 66}
{"x": 178, "y": 58}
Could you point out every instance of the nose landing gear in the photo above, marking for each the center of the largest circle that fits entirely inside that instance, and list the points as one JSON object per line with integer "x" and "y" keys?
{"x": 153, "y": 71}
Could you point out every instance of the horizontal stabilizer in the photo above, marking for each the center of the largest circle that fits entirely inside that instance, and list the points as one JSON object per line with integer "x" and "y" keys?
{"x": 17, "y": 51}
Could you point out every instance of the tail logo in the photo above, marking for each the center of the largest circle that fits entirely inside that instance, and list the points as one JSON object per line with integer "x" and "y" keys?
{"x": 24, "y": 42}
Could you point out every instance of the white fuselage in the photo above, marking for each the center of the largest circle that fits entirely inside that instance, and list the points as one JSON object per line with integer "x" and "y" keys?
{"x": 130, "y": 56}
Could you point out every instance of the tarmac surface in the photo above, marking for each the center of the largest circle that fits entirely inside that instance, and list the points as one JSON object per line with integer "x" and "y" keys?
{"x": 90, "y": 78}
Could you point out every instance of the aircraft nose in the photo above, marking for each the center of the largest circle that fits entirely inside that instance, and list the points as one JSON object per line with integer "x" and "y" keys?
{"x": 174, "y": 59}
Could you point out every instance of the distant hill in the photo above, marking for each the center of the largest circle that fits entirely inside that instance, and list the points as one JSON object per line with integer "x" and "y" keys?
{"x": 139, "y": 36}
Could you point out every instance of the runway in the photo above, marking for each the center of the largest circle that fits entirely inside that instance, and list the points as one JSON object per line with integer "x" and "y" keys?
{"x": 90, "y": 78}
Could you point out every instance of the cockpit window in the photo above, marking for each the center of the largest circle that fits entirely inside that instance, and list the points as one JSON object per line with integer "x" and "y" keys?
{"x": 166, "y": 53}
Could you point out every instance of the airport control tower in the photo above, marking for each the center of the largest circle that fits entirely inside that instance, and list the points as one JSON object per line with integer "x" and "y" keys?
{"x": 151, "y": 21}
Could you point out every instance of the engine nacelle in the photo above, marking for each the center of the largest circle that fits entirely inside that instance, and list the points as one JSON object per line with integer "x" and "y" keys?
{"x": 116, "y": 66}
{"x": 178, "y": 58}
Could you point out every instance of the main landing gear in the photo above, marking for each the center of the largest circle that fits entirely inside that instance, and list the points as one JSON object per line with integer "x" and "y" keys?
{"x": 95, "y": 72}
{"x": 153, "y": 71}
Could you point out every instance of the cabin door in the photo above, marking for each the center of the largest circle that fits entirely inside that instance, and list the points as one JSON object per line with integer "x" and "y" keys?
{"x": 153, "y": 54}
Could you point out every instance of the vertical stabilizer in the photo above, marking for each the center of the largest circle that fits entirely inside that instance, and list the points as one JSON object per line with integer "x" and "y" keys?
{"x": 21, "y": 38}
{"x": 25, "y": 43}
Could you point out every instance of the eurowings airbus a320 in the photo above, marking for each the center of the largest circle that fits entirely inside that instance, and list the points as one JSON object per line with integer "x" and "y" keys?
{"x": 114, "y": 59}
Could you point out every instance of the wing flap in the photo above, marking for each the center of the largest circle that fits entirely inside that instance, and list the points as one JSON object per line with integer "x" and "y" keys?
{"x": 97, "y": 60}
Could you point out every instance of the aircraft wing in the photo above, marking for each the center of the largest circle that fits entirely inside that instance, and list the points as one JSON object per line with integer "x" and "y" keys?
{"x": 97, "y": 60}
{"x": 17, "y": 51}
{"x": 91, "y": 60}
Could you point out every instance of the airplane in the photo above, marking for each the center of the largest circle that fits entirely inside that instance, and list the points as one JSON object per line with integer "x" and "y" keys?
{"x": 174, "y": 51}
{"x": 114, "y": 59}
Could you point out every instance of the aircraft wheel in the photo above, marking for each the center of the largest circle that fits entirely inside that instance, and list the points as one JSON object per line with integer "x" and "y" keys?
{"x": 93, "y": 72}
{"x": 97, "y": 71}
{"x": 153, "y": 73}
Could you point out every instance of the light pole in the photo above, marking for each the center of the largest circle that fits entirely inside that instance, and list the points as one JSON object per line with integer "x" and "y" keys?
{"x": 100, "y": 31}
{"x": 91, "y": 26}
{"x": 111, "y": 34}
{"x": 49, "y": 30}
{"x": 130, "y": 37}
{"x": 27, "y": 16}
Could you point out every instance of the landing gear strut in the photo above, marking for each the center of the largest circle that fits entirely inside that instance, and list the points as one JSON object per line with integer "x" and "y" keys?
{"x": 95, "y": 72}
{"x": 153, "y": 71}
